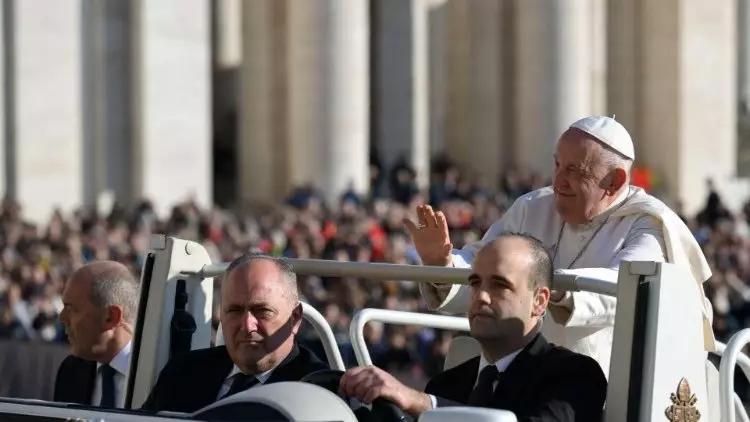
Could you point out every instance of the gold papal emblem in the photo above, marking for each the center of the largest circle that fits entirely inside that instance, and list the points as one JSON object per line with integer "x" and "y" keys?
{"x": 683, "y": 404}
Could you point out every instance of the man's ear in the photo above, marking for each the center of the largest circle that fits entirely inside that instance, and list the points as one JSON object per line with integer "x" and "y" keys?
{"x": 619, "y": 177}
{"x": 113, "y": 317}
{"x": 541, "y": 300}
{"x": 296, "y": 318}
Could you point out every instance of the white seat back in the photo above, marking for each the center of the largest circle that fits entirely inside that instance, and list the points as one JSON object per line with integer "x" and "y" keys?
{"x": 316, "y": 319}
{"x": 297, "y": 401}
{"x": 467, "y": 414}
{"x": 461, "y": 349}
{"x": 658, "y": 348}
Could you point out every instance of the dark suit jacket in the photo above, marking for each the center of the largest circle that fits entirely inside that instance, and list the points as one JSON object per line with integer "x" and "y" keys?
{"x": 75, "y": 381}
{"x": 543, "y": 383}
{"x": 193, "y": 380}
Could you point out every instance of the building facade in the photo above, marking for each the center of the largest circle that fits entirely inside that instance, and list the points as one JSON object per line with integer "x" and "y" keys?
{"x": 238, "y": 100}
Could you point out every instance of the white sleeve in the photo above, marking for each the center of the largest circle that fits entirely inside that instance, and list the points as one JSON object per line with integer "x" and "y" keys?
{"x": 454, "y": 299}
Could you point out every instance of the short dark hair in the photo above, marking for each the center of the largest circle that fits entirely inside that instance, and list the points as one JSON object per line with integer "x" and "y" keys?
{"x": 287, "y": 270}
{"x": 541, "y": 272}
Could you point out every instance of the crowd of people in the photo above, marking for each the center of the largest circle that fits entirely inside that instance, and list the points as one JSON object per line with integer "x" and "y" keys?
{"x": 35, "y": 260}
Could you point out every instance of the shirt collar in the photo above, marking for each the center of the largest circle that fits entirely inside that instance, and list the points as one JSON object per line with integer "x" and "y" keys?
{"x": 501, "y": 364}
{"x": 121, "y": 361}
{"x": 262, "y": 377}
{"x": 606, "y": 212}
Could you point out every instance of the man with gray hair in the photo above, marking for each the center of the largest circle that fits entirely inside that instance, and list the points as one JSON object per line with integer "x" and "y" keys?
{"x": 590, "y": 219}
{"x": 260, "y": 317}
{"x": 100, "y": 306}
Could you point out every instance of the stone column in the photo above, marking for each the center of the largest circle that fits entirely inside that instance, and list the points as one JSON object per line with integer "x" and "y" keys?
{"x": 174, "y": 146}
{"x": 261, "y": 151}
{"x": 457, "y": 74}
{"x": 438, "y": 40}
{"x": 401, "y": 102}
{"x": 599, "y": 36}
{"x": 94, "y": 54}
{"x": 743, "y": 37}
{"x": 554, "y": 75}
{"x": 107, "y": 100}
{"x": 5, "y": 59}
{"x": 47, "y": 106}
{"x": 229, "y": 31}
{"x": 329, "y": 94}
{"x": 687, "y": 95}
{"x": 488, "y": 90}
{"x": 623, "y": 69}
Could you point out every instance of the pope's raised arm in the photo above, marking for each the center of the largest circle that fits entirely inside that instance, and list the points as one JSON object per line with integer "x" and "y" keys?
{"x": 591, "y": 219}
{"x": 454, "y": 298}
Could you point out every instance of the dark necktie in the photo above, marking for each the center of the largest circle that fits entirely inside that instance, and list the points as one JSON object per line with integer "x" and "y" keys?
{"x": 482, "y": 393}
{"x": 241, "y": 382}
{"x": 108, "y": 387}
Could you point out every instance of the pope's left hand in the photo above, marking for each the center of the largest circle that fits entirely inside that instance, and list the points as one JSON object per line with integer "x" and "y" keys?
{"x": 368, "y": 383}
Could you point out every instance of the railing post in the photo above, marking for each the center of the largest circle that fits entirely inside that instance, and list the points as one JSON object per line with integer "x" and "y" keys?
{"x": 389, "y": 316}
{"x": 726, "y": 373}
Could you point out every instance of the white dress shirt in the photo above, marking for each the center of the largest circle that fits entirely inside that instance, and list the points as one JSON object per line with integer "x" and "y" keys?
{"x": 121, "y": 364}
{"x": 262, "y": 378}
{"x": 501, "y": 365}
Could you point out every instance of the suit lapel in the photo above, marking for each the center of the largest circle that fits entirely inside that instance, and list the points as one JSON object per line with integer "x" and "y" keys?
{"x": 467, "y": 378}
{"x": 290, "y": 369}
{"x": 214, "y": 376}
{"x": 457, "y": 383}
{"x": 510, "y": 388}
{"x": 88, "y": 382}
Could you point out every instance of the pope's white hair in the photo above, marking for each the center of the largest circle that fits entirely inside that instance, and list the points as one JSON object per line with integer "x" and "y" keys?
{"x": 612, "y": 159}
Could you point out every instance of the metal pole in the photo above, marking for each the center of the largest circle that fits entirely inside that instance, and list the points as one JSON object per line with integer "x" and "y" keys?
{"x": 375, "y": 271}
{"x": 418, "y": 273}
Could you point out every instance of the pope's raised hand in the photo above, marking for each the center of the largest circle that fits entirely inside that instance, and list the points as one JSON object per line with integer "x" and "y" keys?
{"x": 430, "y": 236}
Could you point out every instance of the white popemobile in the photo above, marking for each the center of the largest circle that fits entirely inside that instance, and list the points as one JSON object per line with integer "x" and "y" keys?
{"x": 657, "y": 372}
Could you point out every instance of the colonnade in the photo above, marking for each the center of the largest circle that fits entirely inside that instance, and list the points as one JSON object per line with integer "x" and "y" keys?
{"x": 116, "y": 96}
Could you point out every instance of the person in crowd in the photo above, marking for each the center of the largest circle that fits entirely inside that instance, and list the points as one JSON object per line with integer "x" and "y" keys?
{"x": 37, "y": 257}
{"x": 590, "y": 219}
{"x": 100, "y": 306}
{"x": 518, "y": 370}
{"x": 260, "y": 318}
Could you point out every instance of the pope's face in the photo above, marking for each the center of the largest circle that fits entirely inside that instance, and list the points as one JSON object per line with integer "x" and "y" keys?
{"x": 578, "y": 178}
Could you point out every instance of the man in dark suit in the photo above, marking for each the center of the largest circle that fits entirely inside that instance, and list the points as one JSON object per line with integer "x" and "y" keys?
{"x": 260, "y": 317}
{"x": 100, "y": 307}
{"x": 517, "y": 370}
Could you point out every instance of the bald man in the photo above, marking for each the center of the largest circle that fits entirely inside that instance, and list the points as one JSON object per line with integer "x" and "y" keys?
{"x": 100, "y": 307}
{"x": 518, "y": 369}
{"x": 260, "y": 317}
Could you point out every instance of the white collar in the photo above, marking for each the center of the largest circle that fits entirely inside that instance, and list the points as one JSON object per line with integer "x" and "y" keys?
{"x": 121, "y": 361}
{"x": 262, "y": 377}
{"x": 502, "y": 364}
{"x": 605, "y": 212}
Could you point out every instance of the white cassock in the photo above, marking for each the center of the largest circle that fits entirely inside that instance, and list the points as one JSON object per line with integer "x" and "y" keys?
{"x": 637, "y": 227}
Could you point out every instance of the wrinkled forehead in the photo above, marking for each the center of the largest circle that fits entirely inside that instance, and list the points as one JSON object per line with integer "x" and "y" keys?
{"x": 575, "y": 144}
{"x": 254, "y": 282}
{"x": 77, "y": 286}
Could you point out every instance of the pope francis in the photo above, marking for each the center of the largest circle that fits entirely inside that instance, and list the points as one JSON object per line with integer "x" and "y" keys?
{"x": 591, "y": 218}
